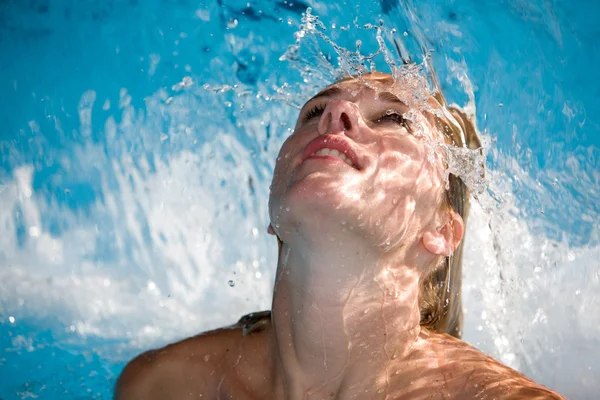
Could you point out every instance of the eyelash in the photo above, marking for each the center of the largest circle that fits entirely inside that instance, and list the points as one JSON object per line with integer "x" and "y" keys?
{"x": 394, "y": 117}
{"x": 314, "y": 112}
{"x": 391, "y": 117}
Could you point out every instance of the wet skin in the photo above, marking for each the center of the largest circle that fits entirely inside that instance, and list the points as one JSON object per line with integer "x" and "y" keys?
{"x": 224, "y": 364}
{"x": 355, "y": 238}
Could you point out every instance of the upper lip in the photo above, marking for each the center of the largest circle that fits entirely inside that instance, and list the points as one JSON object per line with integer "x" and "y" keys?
{"x": 334, "y": 142}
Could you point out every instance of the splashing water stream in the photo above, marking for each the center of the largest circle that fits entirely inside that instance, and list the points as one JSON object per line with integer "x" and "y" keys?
{"x": 135, "y": 172}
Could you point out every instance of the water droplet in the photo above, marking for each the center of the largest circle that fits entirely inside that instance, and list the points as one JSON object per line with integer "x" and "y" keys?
{"x": 231, "y": 283}
{"x": 232, "y": 23}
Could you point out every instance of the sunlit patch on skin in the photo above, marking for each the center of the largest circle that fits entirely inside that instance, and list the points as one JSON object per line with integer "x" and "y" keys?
{"x": 351, "y": 196}
{"x": 411, "y": 205}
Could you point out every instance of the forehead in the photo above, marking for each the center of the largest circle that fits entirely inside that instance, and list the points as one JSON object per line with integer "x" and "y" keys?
{"x": 380, "y": 87}
{"x": 356, "y": 87}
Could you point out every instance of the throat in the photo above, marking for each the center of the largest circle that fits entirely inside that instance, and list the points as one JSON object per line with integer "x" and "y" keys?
{"x": 332, "y": 331}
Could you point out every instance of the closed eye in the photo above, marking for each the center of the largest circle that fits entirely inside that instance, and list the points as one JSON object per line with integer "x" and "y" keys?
{"x": 391, "y": 116}
{"x": 314, "y": 112}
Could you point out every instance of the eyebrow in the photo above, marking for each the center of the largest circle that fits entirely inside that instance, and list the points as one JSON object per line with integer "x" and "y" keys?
{"x": 385, "y": 97}
{"x": 389, "y": 97}
{"x": 329, "y": 92}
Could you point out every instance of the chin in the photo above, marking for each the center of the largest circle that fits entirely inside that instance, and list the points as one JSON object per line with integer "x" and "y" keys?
{"x": 316, "y": 202}
{"x": 323, "y": 189}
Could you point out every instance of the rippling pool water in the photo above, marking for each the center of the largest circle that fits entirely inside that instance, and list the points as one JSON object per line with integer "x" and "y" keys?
{"x": 137, "y": 144}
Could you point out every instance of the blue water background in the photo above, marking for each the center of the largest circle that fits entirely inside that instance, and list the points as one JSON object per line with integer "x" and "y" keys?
{"x": 533, "y": 66}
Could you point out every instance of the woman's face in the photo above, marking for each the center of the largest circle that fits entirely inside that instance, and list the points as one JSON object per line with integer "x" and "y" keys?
{"x": 355, "y": 165}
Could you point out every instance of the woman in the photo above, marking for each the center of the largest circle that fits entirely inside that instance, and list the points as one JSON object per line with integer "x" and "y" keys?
{"x": 366, "y": 302}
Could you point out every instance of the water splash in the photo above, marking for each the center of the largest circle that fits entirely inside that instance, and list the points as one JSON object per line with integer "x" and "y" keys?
{"x": 413, "y": 83}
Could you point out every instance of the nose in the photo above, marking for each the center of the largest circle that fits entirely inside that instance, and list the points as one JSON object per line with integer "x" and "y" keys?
{"x": 339, "y": 116}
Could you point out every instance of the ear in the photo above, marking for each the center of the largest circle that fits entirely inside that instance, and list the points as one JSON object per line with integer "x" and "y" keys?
{"x": 271, "y": 231}
{"x": 445, "y": 239}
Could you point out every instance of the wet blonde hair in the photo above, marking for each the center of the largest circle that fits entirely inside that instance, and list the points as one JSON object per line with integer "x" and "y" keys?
{"x": 440, "y": 293}
{"x": 440, "y": 296}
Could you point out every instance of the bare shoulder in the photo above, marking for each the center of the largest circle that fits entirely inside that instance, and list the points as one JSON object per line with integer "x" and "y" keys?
{"x": 206, "y": 366}
{"x": 471, "y": 373}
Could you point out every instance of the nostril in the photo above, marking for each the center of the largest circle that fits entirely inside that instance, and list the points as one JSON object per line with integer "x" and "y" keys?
{"x": 346, "y": 121}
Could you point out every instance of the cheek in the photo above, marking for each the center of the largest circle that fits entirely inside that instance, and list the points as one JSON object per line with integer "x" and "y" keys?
{"x": 407, "y": 163}
{"x": 281, "y": 166}
{"x": 405, "y": 188}
{"x": 283, "y": 171}
{"x": 399, "y": 169}
{"x": 285, "y": 156}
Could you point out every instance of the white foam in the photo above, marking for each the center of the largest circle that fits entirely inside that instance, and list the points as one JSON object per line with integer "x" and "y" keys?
{"x": 151, "y": 260}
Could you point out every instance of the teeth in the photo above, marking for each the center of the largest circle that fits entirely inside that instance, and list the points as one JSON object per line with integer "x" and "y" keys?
{"x": 331, "y": 152}
{"x": 346, "y": 159}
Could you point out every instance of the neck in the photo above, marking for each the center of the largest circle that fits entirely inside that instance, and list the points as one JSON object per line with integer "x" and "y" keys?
{"x": 341, "y": 322}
